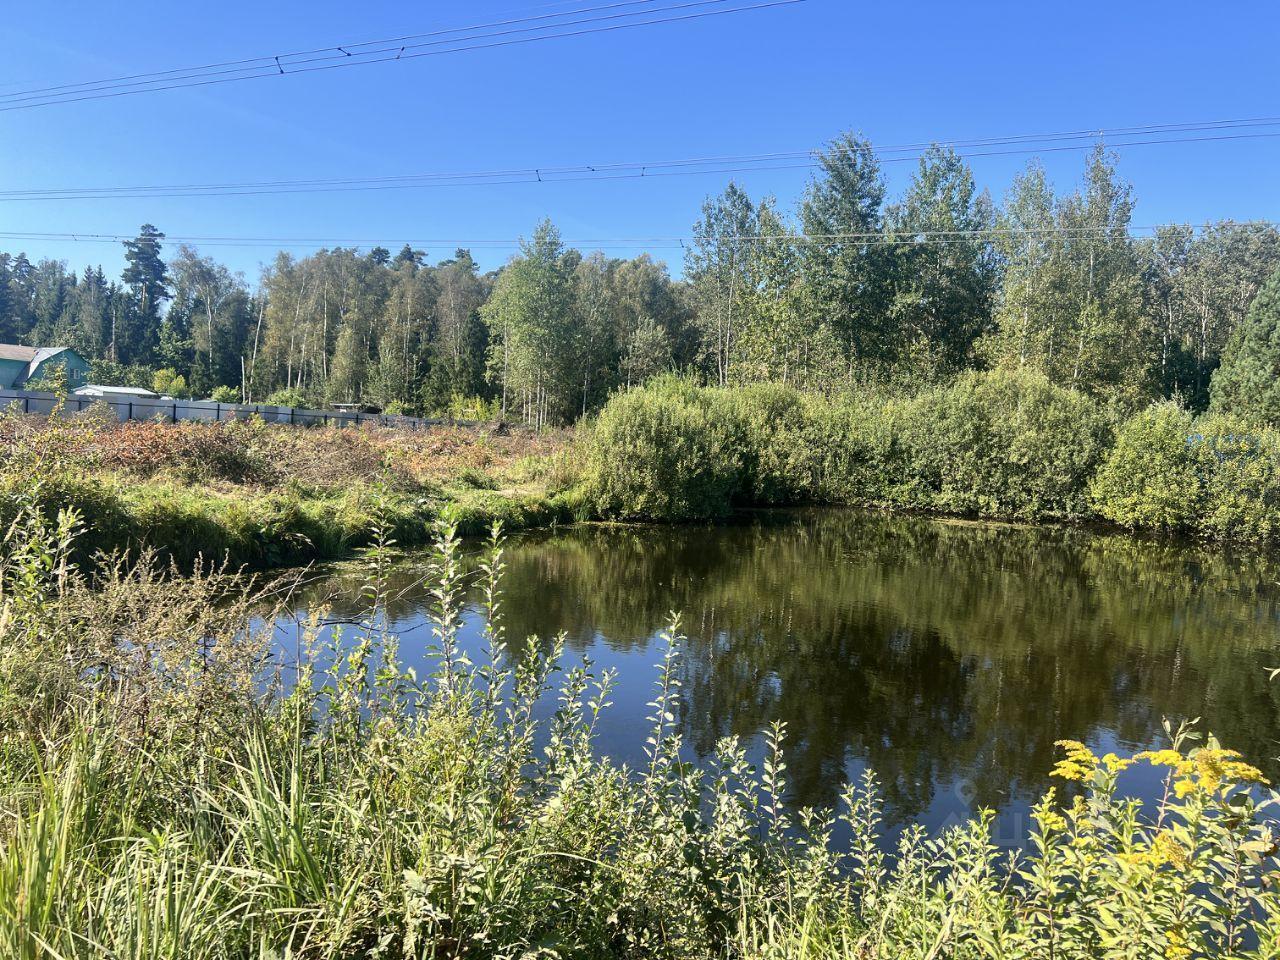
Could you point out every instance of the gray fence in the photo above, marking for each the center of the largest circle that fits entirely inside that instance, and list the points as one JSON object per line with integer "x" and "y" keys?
{"x": 145, "y": 408}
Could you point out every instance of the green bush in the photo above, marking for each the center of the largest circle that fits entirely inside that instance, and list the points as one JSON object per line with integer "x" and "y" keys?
{"x": 1006, "y": 443}
{"x": 852, "y": 445}
{"x": 1154, "y": 477}
{"x": 766, "y": 426}
{"x": 288, "y": 397}
{"x": 660, "y": 453}
{"x": 1241, "y": 479}
{"x": 225, "y": 395}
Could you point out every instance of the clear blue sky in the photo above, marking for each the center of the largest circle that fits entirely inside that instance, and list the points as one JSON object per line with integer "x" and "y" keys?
{"x": 782, "y": 79}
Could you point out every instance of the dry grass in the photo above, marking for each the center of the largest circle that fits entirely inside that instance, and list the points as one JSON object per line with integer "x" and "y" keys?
{"x": 271, "y": 456}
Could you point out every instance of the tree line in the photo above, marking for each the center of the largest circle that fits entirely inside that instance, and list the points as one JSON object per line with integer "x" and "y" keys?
{"x": 850, "y": 288}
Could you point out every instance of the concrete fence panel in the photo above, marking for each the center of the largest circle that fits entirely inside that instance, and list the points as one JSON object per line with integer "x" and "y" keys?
{"x": 173, "y": 411}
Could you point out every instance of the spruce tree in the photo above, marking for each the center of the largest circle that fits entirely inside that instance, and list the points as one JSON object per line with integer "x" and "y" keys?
{"x": 1248, "y": 382}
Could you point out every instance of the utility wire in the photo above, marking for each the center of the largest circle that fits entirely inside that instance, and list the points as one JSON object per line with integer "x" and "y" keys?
{"x": 25, "y": 100}
{"x": 268, "y": 61}
{"x": 603, "y": 172}
{"x": 870, "y": 238}
{"x": 275, "y": 65}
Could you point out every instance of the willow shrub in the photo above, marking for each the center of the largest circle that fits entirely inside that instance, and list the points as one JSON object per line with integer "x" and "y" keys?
{"x": 1242, "y": 483}
{"x": 664, "y": 452}
{"x": 996, "y": 444}
{"x": 1216, "y": 476}
{"x": 1005, "y": 443}
{"x": 766, "y": 426}
{"x": 1154, "y": 475}
{"x": 164, "y": 795}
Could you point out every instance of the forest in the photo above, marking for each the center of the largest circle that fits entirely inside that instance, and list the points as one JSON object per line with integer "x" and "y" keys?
{"x": 852, "y": 288}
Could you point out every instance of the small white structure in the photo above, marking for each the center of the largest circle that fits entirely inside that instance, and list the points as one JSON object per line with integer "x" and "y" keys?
{"x": 104, "y": 392}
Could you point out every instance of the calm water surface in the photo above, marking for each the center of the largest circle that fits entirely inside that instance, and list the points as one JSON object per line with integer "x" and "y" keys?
{"x": 947, "y": 656}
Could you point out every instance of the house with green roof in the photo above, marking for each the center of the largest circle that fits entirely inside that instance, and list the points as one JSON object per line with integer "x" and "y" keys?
{"x": 21, "y": 365}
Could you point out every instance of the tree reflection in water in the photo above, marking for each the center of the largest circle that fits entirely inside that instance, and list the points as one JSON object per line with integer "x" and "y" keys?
{"x": 947, "y": 656}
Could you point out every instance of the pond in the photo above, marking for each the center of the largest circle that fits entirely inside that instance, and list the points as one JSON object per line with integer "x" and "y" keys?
{"x": 947, "y": 656}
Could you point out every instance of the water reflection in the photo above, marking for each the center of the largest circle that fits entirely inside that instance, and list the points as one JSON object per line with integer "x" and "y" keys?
{"x": 947, "y": 656}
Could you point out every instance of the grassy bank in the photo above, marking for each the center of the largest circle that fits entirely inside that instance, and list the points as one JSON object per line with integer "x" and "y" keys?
{"x": 259, "y": 495}
{"x": 164, "y": 795}
{"x": 1004, "y": 444}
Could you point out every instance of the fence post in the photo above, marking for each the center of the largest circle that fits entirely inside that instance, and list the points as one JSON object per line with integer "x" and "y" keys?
{"x": 130, "y": 409}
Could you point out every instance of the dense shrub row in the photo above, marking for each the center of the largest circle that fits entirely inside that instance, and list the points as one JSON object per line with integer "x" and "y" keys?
{"x": 997, "y": 444}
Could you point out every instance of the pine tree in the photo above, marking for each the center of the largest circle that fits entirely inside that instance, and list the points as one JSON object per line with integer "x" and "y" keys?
{"x": 137, "y": 335}
{"x": 1248, "y": 382}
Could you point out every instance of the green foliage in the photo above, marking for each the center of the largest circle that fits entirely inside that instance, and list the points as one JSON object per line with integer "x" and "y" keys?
{"x": 1006, "y": 443}
{"x": 1154, "y": 475}
{"x": 765, "y": 426}
{"x": 288, "y": 397}
{"x": 169, "y": 383}
{"x": 225, "y": 395}
{"x": 186, "y": 804}
{"x": 1248, "y": 382}
{"x": 844, "y": 288}
{"x": 663, "y": 453}
{"x": 472, "y": 408}
{"x": 999, "y": 444}
{"x": 1242, "y": 482}
{"x": 54, "y": 380}
{"x": 110, "y": 373}
{"x": 1215, "y": 476}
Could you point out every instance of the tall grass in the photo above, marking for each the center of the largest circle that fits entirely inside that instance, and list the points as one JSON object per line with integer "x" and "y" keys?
{"x": 165, "y": 793}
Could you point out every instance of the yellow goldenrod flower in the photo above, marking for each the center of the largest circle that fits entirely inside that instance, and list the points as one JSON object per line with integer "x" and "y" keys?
{"x": 1079, "y": 762}
{"x": 1176, "y": 945}
{"x": 1116, "y": 764}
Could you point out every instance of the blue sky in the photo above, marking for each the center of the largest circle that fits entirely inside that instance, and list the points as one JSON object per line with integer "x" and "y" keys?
{"x": 782, "y": 79}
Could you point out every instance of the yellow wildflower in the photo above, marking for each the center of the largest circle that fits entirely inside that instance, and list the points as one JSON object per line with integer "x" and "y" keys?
{"x": 1079, "y": 762}
{"x": 1051, "y": 822}
{"x": 1117, "y": 764}
{"x": 1183, "y": 787}
{"x": 1166, "y": 848}
{"x": 1215, "y": 766}
{"x": 1167, "y": 758}
{"x": 1176, "y": 945}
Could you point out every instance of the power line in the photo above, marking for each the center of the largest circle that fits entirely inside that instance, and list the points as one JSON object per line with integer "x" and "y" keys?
{"x": 691, "y": 166}
{"x": 268, "y": 61}
{"x": 874, "y": 238}
{"x": 275, "y": 65}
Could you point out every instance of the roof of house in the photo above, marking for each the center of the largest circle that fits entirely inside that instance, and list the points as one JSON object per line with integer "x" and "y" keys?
{"x": 104, "y": 390}
{"x": 12, "y": 351}
{"x": 44, "y": 353}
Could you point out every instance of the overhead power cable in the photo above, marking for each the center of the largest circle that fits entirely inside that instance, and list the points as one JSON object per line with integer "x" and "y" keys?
{"x": 1019, "y": 144}
{"x": 269, "y": 60}
{"x": 871, "y": 238}
{"x": 519, "y": 31}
